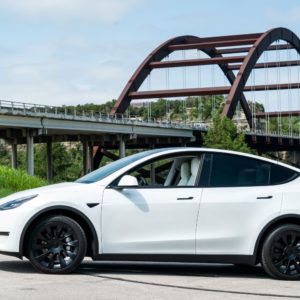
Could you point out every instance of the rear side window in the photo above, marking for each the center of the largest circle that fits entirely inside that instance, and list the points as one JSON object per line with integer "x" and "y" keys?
{"x": 227, "y": 170}
{"x": 233, "y": 170}
{"x": 280, "y": 174}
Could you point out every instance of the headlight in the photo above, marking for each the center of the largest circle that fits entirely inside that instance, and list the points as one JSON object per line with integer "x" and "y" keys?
{"x": 16, "y": 202}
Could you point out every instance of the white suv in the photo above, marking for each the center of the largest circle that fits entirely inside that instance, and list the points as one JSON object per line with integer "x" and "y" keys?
{"x": 176, "y": 204}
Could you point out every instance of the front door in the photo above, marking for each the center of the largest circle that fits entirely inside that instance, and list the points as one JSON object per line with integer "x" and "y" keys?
{"x": 158, "y": 216}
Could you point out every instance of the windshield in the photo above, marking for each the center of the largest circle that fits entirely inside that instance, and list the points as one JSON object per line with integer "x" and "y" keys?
{"x": 109, "y": 169}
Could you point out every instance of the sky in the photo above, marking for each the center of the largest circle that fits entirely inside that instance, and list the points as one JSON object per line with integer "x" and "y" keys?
{"x": 57, "y": 52}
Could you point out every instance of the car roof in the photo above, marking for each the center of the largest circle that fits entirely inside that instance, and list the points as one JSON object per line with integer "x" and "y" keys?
{"x": 212, "y": 150}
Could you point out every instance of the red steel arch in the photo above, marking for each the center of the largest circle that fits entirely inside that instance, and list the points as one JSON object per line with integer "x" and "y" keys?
{"x": 259, "y": 42}
{"x": 144, "y": 70}
{"x": 261, "y": 45}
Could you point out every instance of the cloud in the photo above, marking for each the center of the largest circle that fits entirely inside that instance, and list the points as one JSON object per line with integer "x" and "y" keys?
{"x": 101, "y": 10}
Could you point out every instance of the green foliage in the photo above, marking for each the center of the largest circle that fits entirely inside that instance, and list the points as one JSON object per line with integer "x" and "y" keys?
{"x": 6, "y": 192}
{"x": 189, "y": 109}
{"x": 17, "y": 180}
{"x": 285, "y": 126}
{"x": 204, "y": 107}
{"x": 89, "y": 107}
{"x": 67, "y": 161}
{"x": 4, "y": 154}
{"x": 223, "y": 135}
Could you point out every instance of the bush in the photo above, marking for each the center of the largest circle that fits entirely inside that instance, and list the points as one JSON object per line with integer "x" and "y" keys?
{"x": 12, "y": 180}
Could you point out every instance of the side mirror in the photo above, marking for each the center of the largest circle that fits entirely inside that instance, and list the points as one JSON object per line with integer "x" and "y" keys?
{"x": 128, "y": 180}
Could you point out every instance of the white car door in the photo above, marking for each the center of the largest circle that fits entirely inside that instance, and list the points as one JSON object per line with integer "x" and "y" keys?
{"x": 153, "y": 218}
{"x": 240, "y": 199}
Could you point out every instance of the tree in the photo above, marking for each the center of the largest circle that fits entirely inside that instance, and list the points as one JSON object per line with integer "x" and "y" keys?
{"x": 223, "y": 135}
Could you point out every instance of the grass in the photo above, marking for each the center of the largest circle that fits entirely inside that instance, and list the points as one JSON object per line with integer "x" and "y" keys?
{"x": 12, "y": 180}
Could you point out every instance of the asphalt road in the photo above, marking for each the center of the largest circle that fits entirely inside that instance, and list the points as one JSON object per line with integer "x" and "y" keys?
{"x": 110, "y": 280}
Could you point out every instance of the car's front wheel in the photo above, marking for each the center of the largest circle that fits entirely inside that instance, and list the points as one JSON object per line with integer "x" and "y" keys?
{"x": 57, "y": 244}
{"x": 280, "y": 256}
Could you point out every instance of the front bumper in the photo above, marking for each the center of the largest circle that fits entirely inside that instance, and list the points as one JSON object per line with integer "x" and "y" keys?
{"x": 14, "y": 254}
{"x": 11, "y": 227}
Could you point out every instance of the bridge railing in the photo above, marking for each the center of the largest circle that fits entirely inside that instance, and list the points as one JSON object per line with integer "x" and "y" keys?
{"x": 73, "y": 113}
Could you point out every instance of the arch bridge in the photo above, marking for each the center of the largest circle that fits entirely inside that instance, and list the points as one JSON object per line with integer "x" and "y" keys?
{"x": 257, "y": 76}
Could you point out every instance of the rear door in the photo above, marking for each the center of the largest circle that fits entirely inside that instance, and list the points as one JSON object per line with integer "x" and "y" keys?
{"x": 239, "y": 198}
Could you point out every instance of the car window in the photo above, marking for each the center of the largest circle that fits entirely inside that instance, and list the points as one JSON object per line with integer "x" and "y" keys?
{"x": 109, "y": 169}
{"x": 227, "y": 170}
{"x": 280, "y": 174}
{"x": 233, "y": 170}
{"x": 176, "y": 171}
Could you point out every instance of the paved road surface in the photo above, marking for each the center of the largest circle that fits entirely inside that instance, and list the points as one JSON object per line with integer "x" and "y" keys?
{"x": 98, "y": 280}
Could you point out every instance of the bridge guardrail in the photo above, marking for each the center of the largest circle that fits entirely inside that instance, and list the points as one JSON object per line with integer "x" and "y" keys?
{"x": 67, "y": 113}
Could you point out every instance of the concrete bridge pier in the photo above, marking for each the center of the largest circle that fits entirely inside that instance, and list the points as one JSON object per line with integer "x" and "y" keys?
{"x": 90, "y": 156}
{"x": 87, "y": 156}
{"x": 14, "y": 155}
{"x": 122, "y": 148}
{"x": 49, "y": 159}
{"x": 84, "y": 156}
{"x": 30, "y": 152}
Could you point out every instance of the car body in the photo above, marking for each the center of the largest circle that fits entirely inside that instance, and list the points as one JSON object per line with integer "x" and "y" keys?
{"x": 174, "y": 204}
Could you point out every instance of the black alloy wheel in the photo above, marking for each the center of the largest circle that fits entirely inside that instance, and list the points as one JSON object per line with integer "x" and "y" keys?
{"x": 57, "y": 245}
{"x": 280, "y": 255}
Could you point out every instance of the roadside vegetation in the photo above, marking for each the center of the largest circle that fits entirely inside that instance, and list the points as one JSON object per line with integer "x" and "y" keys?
{"x": 17, "y": 180}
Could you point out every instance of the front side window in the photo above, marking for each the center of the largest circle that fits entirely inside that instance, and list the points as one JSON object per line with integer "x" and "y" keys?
{"x": 109, "y": 169}
{"x": 178, "y": 171}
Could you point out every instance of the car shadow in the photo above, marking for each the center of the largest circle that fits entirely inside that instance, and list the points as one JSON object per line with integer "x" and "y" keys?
{"x": 17, "y": 266}
{"x": 141, "y": 268}
{"x": 172, "y": 269}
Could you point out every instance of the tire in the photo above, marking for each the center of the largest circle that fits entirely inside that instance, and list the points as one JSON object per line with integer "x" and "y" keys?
{"x": 280, "y": 255}
{"x": 56, "y": 245}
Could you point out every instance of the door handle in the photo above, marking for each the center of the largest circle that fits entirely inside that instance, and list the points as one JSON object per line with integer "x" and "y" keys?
{"x": 187, "y": 198}
{"x": 264, "y": 197}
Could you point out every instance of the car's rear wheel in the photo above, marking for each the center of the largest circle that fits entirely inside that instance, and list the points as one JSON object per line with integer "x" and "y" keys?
{"x": 57, "y": 245}
{"x": 280, "y": 256}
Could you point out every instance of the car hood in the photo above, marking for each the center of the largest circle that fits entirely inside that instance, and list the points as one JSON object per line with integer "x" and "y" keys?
{"x": 44, "y": 189}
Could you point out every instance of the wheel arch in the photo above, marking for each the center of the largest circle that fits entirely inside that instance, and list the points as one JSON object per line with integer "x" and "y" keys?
{"x": 281, "y": 220}
{"x": 76, "y": 215}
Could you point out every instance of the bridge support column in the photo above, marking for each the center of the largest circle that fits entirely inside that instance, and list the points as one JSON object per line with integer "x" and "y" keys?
{"x": 49, "y": 160}
{"x": 14, "y": 155}
{"x": 97, "y": 158}
{"x": 30, "y": 153}
{"x": 90, "y": 157}
{"x": 84, "y": 156}
{"x": 122, "y": 149}
{"x": 87, "y": 156}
